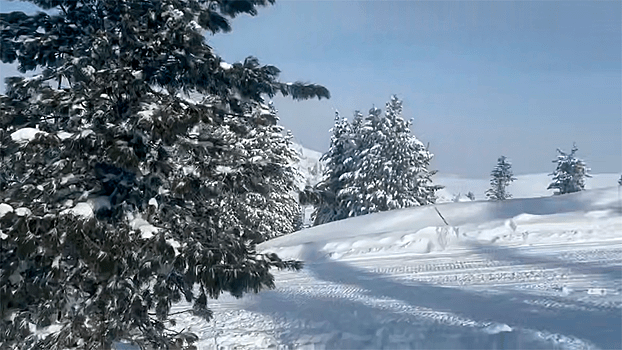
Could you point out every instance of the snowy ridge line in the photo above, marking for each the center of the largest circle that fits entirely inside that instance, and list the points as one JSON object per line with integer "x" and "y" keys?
{"x": 457, "y": 214}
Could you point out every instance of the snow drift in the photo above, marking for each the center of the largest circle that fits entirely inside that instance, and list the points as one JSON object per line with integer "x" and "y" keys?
{"x": 486, "y": 220}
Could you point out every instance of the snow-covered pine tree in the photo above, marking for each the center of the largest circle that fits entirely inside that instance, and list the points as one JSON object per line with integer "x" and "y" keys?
{"x": 263, "y": 177}
{"x": 502, "y": 176}
{"x": 339, "y": 163}
{"x": 570, "y": 174}
{"x": 385, "y": 168}
{"x": 120, "y": 196}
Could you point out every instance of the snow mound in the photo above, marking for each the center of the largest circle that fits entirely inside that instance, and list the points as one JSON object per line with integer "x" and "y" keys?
{"x": 421, "y": 230}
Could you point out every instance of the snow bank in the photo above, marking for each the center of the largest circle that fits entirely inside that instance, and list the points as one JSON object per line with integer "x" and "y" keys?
{"x": 422, "y": 230}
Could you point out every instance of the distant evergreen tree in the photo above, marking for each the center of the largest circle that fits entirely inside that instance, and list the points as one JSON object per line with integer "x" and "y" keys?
{"x": 374, "y": 164}
{"x": 570, "y": 174}
{"x": 120, "y": 195}
{"x": 339, "y": 162}
{"x": 502, "y": 176}
{"x": 620, "y": 181}
{"x": 470, "y": 195}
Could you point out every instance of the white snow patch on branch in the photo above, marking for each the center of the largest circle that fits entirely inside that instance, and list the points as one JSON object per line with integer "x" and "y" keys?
{"x": 98, "y": 203}
{"x": 174, "y": 244}
{"x": 225, "y": 65}
{"x": 63, "y": 135}
{"x": 66, "y": 178}
{"x": 148, "y": 110}
{"x": 86, "y": 132}
{"x": 23, "y": 212}
{"x": 4, "y": 209}
{"x": 146, "y": 229}
{"x": 190, "y": 170}
{"x": 221, "y": 169}
{"x": 26, "y": 134}
{"x": 81, "y": 209}
{"x": 87, "y": 209}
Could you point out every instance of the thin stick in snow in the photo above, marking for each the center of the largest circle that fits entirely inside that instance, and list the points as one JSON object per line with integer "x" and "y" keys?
{"x": 439, "y": 214}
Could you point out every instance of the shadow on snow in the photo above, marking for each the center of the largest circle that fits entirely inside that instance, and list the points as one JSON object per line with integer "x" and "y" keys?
{"x": 374, "y": 325}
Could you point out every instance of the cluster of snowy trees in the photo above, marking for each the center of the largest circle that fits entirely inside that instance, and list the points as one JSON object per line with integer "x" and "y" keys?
{"x": 121, "y": 195}
{"x": 568, "y": 177}
{"x": 374, "y": 164}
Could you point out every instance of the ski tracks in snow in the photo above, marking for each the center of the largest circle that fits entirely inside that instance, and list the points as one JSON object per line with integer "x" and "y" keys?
{"x": 563, "y": 296}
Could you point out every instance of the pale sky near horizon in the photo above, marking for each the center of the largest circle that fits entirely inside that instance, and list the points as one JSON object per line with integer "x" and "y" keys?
{"x": 479, "y": 79}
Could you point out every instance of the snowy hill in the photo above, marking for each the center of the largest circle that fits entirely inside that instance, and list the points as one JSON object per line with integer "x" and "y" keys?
{"x": 524, "y": 273}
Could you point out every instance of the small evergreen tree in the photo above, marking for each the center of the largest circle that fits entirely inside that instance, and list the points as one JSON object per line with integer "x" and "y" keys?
{"x": 470, "y": 195}
{"x": 120, "y": 195}
{"x": 374, "y": 164}
{"x": 501, "y": 177}
{"x": 570, "y": 174}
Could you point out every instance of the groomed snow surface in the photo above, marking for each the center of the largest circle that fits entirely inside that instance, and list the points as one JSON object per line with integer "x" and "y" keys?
{"x": 536, "y": 273}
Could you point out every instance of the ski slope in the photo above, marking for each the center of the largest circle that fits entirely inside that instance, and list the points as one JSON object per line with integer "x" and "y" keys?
{"x": 529, "y": 273}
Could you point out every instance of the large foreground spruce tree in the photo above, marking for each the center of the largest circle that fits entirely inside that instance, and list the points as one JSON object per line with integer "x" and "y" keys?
{"x": 121, "y": 195}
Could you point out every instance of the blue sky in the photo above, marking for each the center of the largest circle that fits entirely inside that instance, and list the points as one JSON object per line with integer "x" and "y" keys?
{"x": 480, "y": 79}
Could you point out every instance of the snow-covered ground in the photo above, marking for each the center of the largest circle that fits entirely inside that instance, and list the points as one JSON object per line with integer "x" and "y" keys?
{"x": 534, "y": 272}
{"x": 525, "y": 273}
